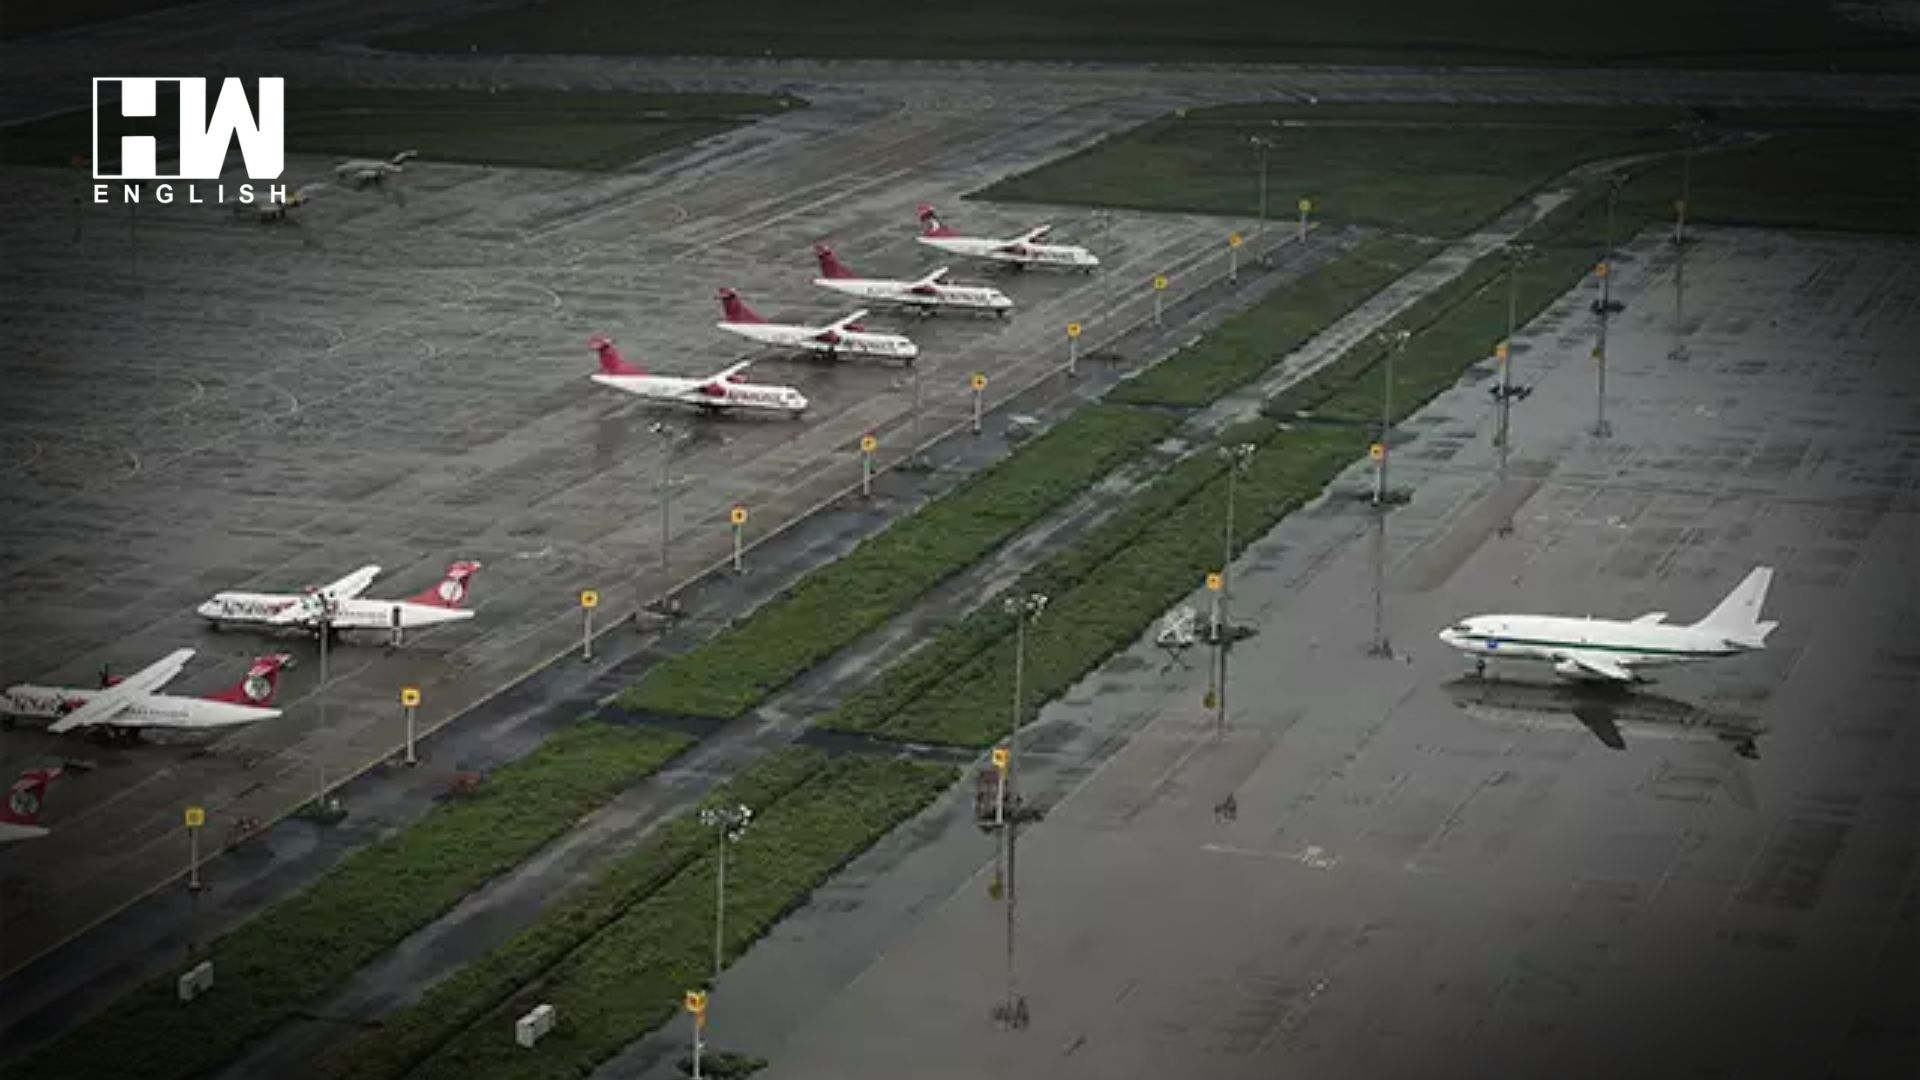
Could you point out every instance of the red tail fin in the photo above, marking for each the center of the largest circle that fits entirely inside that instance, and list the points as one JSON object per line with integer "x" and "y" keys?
{"x": 452, "y": 590}
{"x": 830, "y": 264}
{"x": 930, "y": 222}
{"x": 24, "y": 800}
{"x": 736, "y": 309}
{"x": 263, "y": 678}
{"x": 611, "y": 362}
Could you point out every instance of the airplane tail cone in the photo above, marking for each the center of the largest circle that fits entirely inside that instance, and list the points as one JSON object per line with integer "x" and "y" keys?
{"x": 453, "y": 588}
{"x": 930, "y": 221}
{"x": 259, "y": 685}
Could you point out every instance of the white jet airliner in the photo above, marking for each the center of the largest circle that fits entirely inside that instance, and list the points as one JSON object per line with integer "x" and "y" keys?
{"x": 363, "y": 171}
{"x": 1022, "y": 250}
{"x": 725, "y": 389}
{"x": 841, "y": 335}
{"x": 20, "y": 815}
{"x": 339, "y": 605}
{"x": 924, "y": 294}
{"x": 134, "y": 702}
{"x": 1610, "y": 651}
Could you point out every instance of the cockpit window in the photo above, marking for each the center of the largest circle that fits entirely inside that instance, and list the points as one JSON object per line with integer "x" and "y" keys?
{"x": 1462, "y": 628}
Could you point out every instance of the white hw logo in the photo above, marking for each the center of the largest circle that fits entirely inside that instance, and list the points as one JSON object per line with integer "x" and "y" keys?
{"x": 204, "y": 135}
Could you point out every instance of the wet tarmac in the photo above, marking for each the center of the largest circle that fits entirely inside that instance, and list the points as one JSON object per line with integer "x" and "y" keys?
{"x": 1385, "y": 867}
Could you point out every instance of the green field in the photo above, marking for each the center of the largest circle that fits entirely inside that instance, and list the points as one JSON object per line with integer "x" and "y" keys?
{"x": 628, "y": 976}
{"x": 408, "y": 1037}
{"x": 833, "y": 606}
{"x": 305, "y": 946}
{"x": 1723, "y": 33}
{"x": 524, "y": 128}
{"x": 1438, "y": 170}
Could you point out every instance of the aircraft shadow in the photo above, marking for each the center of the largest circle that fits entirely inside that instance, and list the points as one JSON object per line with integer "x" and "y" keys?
{"x": 1610, "y": 713}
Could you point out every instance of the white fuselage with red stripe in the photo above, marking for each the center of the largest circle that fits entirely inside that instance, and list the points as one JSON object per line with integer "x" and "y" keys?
{"x": 922, "y": 294}
{"x": 1018, "y": 251}
{"x": 723, "y": 390}
{"x": 340, "y": 606}
{"x": 135, "y": 701}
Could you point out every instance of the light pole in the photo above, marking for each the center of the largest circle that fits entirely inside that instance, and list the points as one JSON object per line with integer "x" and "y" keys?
{"x": 730, "y": 822}
{"x": 1024, "y": 609}
{"x": 1692, "y": 129}
{"x": 1396, "y": 341}
{"x": 1239, "y": 458}
{"x": 1601, "y": 429}
{"x": 1505, "y": 393}
{"x": 1263, "y": 144}
{"x": 1607, "y": 305}
{"x": 671, "y": 439}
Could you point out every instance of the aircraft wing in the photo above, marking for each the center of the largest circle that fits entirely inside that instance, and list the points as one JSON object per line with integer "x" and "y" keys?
{"x": 728, "y": 372}
{"x": 931, "y": 279}
{"x": 99, "y": 709}
{"x": 1604, "y": 667}
{"x": 352, "y": 585}
{"x": 841, "y": 323}
{"x": 1650, "y": 618}
{"x": 1035, "y": 233}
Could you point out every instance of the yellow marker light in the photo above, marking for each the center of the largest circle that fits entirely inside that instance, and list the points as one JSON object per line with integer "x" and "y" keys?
{"x": 1600, "y": 270}
{"x": 1000, "y": 758}
{"x": 409, "y": 696}
{"x": 696, "y": 1002}
{"x": 979, "y": 381}
{"x": 1160, "y": 281}
{"x": 1376, "y": 451}
{"x": 1073, "y": 329}
{"x": 1233, "y": 240}
{"x": 196, "y": 816}
{"x": 868, "y": 443}
{"x": 1500, "y": 352}
{"x": 1680, "y": 206}
{"x": 1213, "y": 582}
{"x": 589, "y": 598}
{"x": 1306, "y": 205}
{"x": 739, "y": 515}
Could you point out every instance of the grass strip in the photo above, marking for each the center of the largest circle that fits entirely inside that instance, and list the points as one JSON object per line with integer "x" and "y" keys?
{"x": 410, "y": 1036}
{"x": 1247, "y": 345}
{"x": 629, "y": 978}
{"x": 309, "y": 943}
{"x": 836, "y": 604}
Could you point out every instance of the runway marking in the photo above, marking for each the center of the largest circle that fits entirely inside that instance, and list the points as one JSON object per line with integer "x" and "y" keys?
{"x": 1313, "y": 855}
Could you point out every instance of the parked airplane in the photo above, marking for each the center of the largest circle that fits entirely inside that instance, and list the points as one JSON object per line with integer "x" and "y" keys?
{"x": 1022, "y": 250}
{"x": 128, "y": 704}
{"x": 725, "y": 389}
{"x": 339, "y": 605}
{"x": 20, "y": 815}
{"x": 842, "y": 335}
{"x": 925, "y": 294}
{"x": 274, "y": 213}
{"x": 1607, "y": 650}
{"x": 363, "y": 171}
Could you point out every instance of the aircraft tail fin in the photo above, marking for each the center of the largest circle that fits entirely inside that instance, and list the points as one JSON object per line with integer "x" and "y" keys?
{"x": 930, "y": 221}
{"x": 259, "y": 685}
{"x": 611, "y": 362}
{"x": 453, "y": 588}
{"x": 830, "y": 264}
{"x": 25, "y": 798}
{"x": 1737, "y": 617}
{"x": 736, "y": 310}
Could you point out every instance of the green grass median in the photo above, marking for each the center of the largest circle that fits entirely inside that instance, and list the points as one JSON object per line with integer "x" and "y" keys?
{"x": 407, "y": 1038}
{"x": 1247, "y": 345}
{"x": 307, "y": 945}
{"x": 628, "y": 977}
{"x": 835, "y": 605}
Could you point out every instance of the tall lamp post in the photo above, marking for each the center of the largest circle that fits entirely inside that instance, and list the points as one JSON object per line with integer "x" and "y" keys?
{"x": 1504, "y": 393}
{"x": 1238, "y": 458}
{"x": 1607, "y": 304}
{"x": 670, "y": 439}
{"x": 1262, "y": 143}
{"x": 1026, "y": 609}
{"x": 730, "y": 823}
{"x": 1396, "y": 341}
